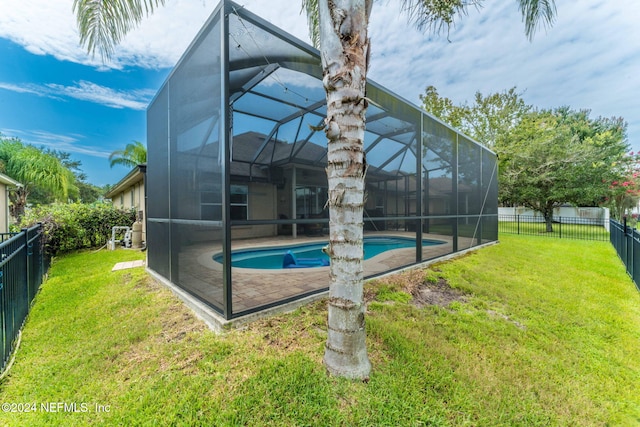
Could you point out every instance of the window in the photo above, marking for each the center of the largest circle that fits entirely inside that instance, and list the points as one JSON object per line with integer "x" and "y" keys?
{"x": 379, "y": 209}
{"x": 239, "y": 202}
{"x": 310, "y": 201}
{"x": 211, "y": 206}
{"x": 210, "y": 198}
{"x": 133, "y": 198}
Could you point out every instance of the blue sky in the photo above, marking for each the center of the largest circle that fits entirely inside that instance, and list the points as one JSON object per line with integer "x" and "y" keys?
{"x": 74, "y": 108}
{"x": 53, "y": 94}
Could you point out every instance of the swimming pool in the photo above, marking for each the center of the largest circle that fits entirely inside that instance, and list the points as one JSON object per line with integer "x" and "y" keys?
{"x": 270, "y": 258}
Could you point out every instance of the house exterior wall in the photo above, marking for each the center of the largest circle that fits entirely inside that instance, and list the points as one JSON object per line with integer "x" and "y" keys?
{"x": 4, "y": 208}
{"x": 6, "y": 183}
{"x": 132, "y": 196}
{"x": 262, "y": 205}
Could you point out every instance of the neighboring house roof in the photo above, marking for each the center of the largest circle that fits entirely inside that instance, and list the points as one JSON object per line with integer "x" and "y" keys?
{"x": 136, "y": 175}
{"x": 4, "y": 179}
{"x": 253, "y": 155}
{"x": 252, "y": 149}
{"x": 251, "y": 152}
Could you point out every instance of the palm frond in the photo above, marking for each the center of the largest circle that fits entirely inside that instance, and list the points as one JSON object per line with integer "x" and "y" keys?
{"x": 120, "y": 161}
{"x": 134, "y": 153}
{"x": 534, "y": 11}
{"x": 310, "y": 7}
{"x": 436, "y": 15}
{"x": 104, "y": 23}
{"x": 439, "y": 15}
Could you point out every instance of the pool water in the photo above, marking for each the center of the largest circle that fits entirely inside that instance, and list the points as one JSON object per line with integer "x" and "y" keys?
{"x": 271, "y": 258}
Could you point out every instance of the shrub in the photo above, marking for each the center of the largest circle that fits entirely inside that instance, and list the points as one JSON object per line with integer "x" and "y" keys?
{"x": 73, "y": 226}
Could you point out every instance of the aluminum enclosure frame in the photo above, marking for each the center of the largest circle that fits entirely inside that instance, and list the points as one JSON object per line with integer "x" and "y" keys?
{"x": 235, "y": 161}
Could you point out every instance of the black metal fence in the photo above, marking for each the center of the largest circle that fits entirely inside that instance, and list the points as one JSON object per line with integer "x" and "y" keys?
{"x": 626, "y": 241}
{"x": 563, "y": 227}
{"x": 23, "y": 264}
{"x": 6, "y": 236}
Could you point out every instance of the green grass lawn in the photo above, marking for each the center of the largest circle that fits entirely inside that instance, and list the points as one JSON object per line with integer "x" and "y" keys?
{"x": 546, "y": 333}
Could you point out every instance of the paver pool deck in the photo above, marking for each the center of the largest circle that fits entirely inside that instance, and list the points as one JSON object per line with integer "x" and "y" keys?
{"x": 253, "y": 288}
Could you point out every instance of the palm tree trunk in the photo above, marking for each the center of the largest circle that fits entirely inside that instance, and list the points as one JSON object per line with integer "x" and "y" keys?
{"x": 18, "y": 198}
{"x": 344, "y": 49}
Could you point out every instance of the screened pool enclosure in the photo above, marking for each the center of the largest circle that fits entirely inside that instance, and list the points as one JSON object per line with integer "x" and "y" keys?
{"x": 235, "y": 165}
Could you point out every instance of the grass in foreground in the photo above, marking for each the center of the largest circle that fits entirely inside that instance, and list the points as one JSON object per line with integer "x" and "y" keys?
{"x": 547, "y": 334}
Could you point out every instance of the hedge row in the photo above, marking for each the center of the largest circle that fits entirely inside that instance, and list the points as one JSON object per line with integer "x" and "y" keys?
{"x": 69, "y": 227}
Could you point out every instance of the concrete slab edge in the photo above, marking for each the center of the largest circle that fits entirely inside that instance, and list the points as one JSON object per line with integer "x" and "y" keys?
{"x": 213, "y": 320}
{"x": 219, "y": 324}
{"x": 279, "y": 309}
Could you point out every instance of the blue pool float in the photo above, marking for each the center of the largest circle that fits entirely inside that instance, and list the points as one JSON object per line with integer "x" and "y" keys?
{"x": 291, "y": 261}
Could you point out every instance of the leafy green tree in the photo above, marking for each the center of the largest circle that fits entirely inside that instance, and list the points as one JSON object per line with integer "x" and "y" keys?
{"x": 495, "y": 114}
{"x": 74, "y": 166}
{"x": 484, "y": 120}
{"x": 134, "y": 154}
{"x": 340, "y": 29}
{"x": 555, "y": 157}
{"x": 86, "y": 192}
{"x": 443, "y": 108}
{"x": 502, "y": 121}
{"x": 33, "y": 168}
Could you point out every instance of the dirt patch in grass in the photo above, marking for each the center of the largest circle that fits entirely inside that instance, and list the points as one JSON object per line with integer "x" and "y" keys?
{"x": 435, "y": 293}
{"x": 426, "y": 288}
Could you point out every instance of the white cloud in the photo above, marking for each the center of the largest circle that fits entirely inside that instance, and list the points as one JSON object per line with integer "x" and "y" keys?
{"x": 43, "y": 27}
{"x": 48, "y": 27}
{"x": 590, "y": 58}
{"x": 87, "y": 91}
{"x": 66, "y": 143}
{"x": 20, "y": 89}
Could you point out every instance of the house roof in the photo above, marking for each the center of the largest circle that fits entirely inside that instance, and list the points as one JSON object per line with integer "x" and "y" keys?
{"x": 136, "y": 175}
{"x": 253, "y": 151}
{"x": 4, "y": 179}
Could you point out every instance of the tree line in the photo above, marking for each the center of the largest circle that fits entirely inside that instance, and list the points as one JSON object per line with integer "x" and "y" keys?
{"x": 548, "y": 157}
{"x": 48, "y": 176}
{"x": 45, "y": 176}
